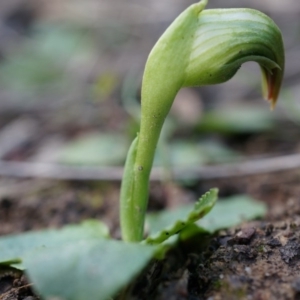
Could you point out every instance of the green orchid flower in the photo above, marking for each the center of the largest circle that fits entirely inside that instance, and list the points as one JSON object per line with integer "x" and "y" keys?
{"x": 201, "y": 47}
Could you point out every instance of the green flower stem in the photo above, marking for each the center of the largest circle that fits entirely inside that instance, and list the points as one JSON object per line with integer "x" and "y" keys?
{"x": 134, "y": 196}
{"x": 200, "y": 47}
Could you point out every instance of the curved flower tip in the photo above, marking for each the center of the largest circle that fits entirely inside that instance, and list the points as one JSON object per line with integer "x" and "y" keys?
{"x": 208, "y": 46}
{"x": 271, "y": 84}
{"x": 224, "y": 39}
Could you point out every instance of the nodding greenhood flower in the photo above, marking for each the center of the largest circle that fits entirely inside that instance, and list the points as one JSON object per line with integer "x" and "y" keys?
{"x": 201, "y": 47}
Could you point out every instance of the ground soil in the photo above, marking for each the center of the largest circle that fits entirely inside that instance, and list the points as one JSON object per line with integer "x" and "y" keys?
{"x": 258, "y": 260}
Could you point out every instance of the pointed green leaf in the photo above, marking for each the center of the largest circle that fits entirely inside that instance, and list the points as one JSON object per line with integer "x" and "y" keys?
{"x": 172, "y": 222}
{"x": 226, "y": 213}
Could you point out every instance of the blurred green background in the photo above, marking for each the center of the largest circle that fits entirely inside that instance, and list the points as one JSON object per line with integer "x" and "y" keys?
{"x": 70, "y": 77}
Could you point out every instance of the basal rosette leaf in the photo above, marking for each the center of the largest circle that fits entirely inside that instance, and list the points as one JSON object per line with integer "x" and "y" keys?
{"x": 91, "y": 269}
{"x": 13, "y": 248}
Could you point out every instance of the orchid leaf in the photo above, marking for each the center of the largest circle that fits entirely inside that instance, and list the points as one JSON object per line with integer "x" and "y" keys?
{"x": 13, "y": 248}
{"x": 92, "y": 269}
{"x": 174, "y": 222}
{"x": 227, "y": 212}
{"x": 231, "y": 211}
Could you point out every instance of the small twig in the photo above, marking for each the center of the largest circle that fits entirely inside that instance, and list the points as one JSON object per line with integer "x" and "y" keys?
{"x": 63, "y": 172}
{"x": 4, "y": 295}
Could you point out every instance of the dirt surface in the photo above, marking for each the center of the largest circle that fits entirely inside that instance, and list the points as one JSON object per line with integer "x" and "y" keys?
{"x": 14, "y": 285}
{"x": 258, "y": 260}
